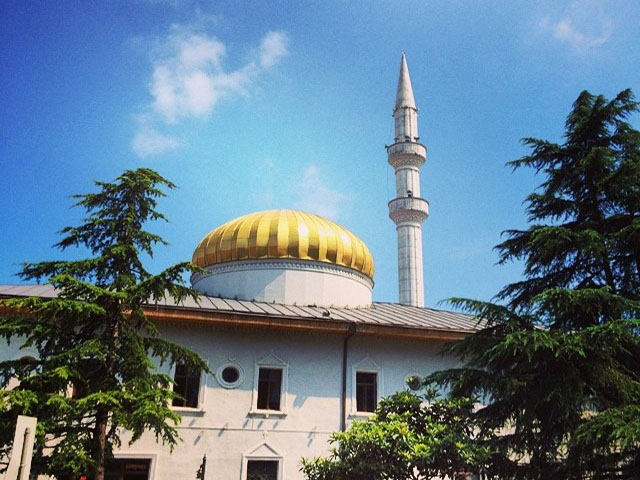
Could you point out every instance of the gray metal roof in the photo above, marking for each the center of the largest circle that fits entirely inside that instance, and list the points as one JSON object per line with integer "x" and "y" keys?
{"x": 379, "y": 313}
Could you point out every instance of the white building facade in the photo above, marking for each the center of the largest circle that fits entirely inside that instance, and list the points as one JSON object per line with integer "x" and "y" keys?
{"x": 287, "y": 324}
{"x": 232, "y": 430}
{"x": 332, "y": 361}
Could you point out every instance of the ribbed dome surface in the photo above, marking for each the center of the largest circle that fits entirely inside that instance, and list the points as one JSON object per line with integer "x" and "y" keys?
{"x": 284, "y": 234}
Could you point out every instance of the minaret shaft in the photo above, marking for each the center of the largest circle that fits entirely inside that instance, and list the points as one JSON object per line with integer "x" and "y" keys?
{"x": 406, "y": 124}
{"x": 408, "y": 210}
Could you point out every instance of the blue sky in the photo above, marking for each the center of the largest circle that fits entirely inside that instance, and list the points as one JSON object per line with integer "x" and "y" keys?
{"x": 256, "y": 105}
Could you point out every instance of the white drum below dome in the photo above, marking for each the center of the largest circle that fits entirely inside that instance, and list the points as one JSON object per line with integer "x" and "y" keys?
{"x": 291, "y": 282}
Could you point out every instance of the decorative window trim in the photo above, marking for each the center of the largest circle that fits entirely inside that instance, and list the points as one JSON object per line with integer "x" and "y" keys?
{"x": 201, "y": 392}
{"x": 366, "y": 365}
{"x": 262, "y": 451}
{"x": 142, "y": 456}
{"x": 227, "y": 385}
{"x": 270, "y": 361}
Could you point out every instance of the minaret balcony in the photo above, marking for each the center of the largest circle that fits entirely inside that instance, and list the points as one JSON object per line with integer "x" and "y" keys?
{"x": 410, "y": 148}
{"x": 408, "y": 210}
{"x": 406, "y": 153}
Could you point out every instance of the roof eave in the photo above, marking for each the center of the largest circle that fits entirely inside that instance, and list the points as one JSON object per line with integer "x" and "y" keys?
{"x": 182, "y": 315}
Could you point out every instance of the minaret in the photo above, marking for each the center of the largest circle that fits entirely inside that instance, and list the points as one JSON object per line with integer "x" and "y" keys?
{"x": 408, "y": 210}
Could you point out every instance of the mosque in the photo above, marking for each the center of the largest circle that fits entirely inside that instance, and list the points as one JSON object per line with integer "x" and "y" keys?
{"x": 287, "y": 323}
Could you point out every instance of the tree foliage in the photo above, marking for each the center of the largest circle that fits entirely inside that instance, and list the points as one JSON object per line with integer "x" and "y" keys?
{"x": 557, "y": 365}
{"x": 586, "y": 227}
{"x": 93, "y": 337}
{"x": 407, "y": 439}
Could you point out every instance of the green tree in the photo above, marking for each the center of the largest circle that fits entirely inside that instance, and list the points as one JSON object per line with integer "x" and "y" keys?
{"x": 95, "y": 337}
{"x": 407, "y": 439}
{"x": 558, "y": 364}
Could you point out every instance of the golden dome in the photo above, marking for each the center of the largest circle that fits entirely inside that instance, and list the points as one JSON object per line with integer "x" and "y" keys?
{"x": 284, "y": 234}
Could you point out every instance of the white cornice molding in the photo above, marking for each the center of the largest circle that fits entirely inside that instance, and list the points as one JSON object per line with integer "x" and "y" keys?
{"x": 284, "y": 264}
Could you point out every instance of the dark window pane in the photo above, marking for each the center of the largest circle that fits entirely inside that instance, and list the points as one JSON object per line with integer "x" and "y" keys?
{"x": 262, "y": 470}
{"x": 127, "y": 469}
{"x": 187, "y": 385}
{"x": 366, "y": 391}
{"x": 230, "y": 374}
{"x": 269, "y": 388}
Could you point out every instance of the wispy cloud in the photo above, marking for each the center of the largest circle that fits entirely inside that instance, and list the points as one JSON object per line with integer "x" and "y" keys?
{"x": 584, "y": 26}
{"x": 316, "y": 196}
{"x": 272, "y": 48}
{"x": 307, "y": 187}
{"x": 147, "y": 142}
{"x": 189, "y": 78}
{"x": 565, "y": 31}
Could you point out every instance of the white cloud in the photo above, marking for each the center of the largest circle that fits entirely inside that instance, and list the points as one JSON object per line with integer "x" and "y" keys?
{"x": 307, "y": 187}
{"x": 565, "y": 31}
{"x": 272, "y": 48}
{"x": 189, "y": 79}
{"x": 584, "y": 26}
{"x": 196, "y": 51}
{"x": 147, "y": 142}
{"x": 315, "y": 195}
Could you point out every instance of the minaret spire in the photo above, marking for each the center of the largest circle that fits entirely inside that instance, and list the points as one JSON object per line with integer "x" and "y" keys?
{"x": 408, "y": 210}
{"x": 404, "y": 97}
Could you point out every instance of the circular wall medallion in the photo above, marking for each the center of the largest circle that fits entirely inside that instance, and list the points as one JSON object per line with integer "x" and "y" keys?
{"x": 414, "y": 382}
{"x": 230, "y": 375}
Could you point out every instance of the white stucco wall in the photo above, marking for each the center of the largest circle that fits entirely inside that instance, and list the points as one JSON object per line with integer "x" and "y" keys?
{"x": 224, "y": 428}
{"x": 292, "y": 282}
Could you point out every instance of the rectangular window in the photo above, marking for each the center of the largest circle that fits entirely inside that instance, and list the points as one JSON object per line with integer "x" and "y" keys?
{"x": 187, "y": 385}
{"x": 366, "y": 391}
{"x": 262, "y": 470}
{"x": 269, "y": 388}
{"x": 127, "y": 469}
